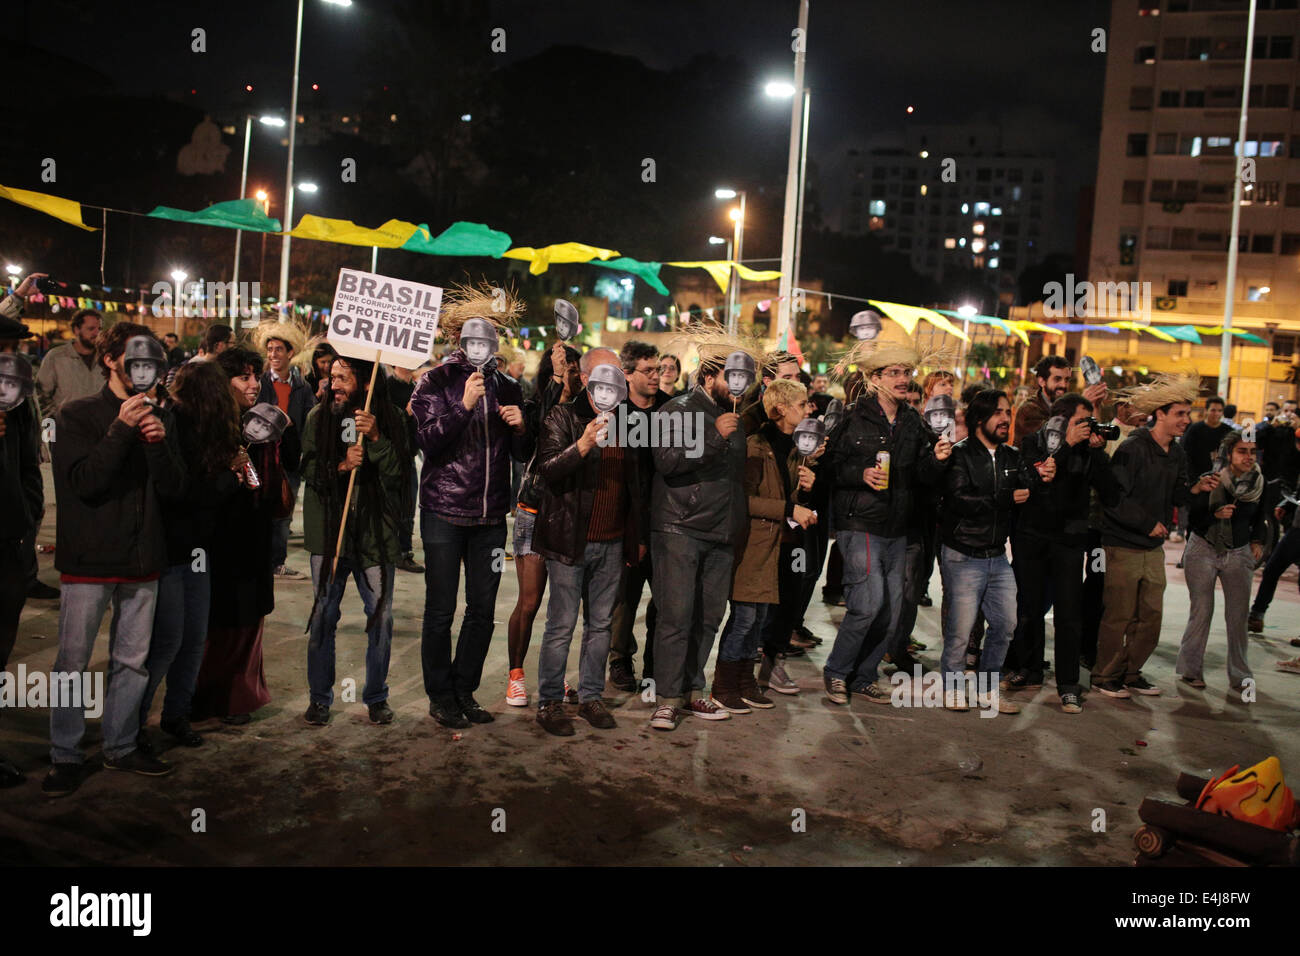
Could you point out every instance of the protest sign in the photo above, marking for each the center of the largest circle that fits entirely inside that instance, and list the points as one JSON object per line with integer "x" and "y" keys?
{"x": 381, "y": 318}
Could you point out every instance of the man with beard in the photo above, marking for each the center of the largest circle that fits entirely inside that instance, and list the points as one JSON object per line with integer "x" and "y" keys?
{"x": 1053, "y": 374}
{"x": 698, "y": 510}
{"x": 872, "y": 511}
{"x": 341, "y": 438}
{"x": 68, "y": 371}
{"x": 984, "y": 479}
{"x": 1151, "y": 470}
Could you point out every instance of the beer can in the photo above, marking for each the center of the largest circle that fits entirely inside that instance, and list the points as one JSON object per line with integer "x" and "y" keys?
{"x": 882, "y": 462}
{"x": 250, "y": 475}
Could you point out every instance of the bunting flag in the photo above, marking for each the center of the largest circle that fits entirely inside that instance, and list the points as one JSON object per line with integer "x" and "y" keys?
{"x": 1138, "y": 327}
{"x": 237, "y": 214}
{"x": 67, "y": 210}
{"x": 719, "y": 269}
{"x": 647, "y": 272}
{"x": 757, "y": 275}
{"x": 1218, "y": 330}
{"x": 541, "y": 259}
{"x": 1006, "y": 327}
{"x": 908, "y": 315}
{"x": 459, "y": 239}
{"x": 391, "y": 235}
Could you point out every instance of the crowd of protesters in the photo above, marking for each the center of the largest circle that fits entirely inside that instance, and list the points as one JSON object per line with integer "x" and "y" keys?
{"x": 176, "y": 479}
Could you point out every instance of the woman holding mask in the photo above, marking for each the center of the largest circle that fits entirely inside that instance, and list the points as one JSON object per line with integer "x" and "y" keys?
{"x": 206, "y": 423}
{"x": 558, "y": 381}
{"x": 231, "y": 684}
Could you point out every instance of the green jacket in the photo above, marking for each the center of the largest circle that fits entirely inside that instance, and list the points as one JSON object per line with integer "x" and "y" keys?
{"x": 370, "y": 540}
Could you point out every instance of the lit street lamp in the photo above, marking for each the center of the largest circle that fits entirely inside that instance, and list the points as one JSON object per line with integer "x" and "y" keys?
{"x": 738, "y": 237}
{"x": 243, "y": 183}
{"x": 178, "y": 276}
{"x": 288, "y": 175}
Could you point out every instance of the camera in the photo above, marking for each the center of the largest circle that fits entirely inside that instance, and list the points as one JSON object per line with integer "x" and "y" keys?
{"x": 48, "y": 286}
{"x": 1108, "y": 432}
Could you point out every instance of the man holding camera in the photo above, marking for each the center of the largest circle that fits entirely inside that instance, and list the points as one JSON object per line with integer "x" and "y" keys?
{"x": 1049, "y": 547}
{"x": 1150, "y": 468}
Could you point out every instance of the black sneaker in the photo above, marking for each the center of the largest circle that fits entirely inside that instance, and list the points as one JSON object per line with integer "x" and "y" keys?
{"x": 808, "y": 635}
{"x": 318, "y": 715}
{"x": 448, "y": 713}
{"x": 1070, "y": 704}
{"x": 622, "y": 676}
{"x": 472, "y": 711}
{"x": 144, "y": 744}
{"x": 62, "y": 779}
{"x": 179, "y": 729}
{"x": 1143, "y": 686}
{"x": 554, "y": 720}
{"x": 925, "y": 601}
{"x": 41, "y": 591}
{"x": 873, "y": 693}
{"x": 1112, "y": 688}
{"x": 139, "y": 762}
{"x": 237, "y": 720}
{"x": 381, "y": 713}
{"x": 1021, "y": 681}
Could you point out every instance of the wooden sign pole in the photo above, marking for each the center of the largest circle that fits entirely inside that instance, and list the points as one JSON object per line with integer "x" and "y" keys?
{"x": 352, "y": 476}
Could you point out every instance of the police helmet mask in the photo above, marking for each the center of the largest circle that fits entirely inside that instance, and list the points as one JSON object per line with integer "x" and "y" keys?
{"x": 739, "y": 372}
{"x": 478, "y": 340}
{"x": 808, "y": 435}
{"x": 144, "y": 362}
{"x": 940, "y": 414}
{"x": 1091, "y": 372}
{"x": 15, "y": 380}
{"x": 865, "y": 325}
{"x": 264, "y": 422}
{"x": 834, "y": 412}
{"x": 566, "y": 319}
{"x": 607, "y": 387}
{"x": 1054, "y": 433}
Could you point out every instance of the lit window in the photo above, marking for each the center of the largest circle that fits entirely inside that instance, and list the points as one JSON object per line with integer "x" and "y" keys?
{"x": 995, "y": 245}
{"x": 981, "y": 209}
{"x": 965, "y": 208}
{"x": 924, "y": 189}
{"x": 977, "y": 245}
{"x": 1015, "y": 192}
{"x": 950, "y": 243}
{"x": 993, "y": 263}
{"x": 962, "y": 242}
{"x": 977, "y": 228}
{"x": 877, "y": 207}
{"x": 996, "y": 211}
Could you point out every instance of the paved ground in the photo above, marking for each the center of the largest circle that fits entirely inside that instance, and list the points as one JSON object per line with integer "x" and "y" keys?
{"x": 875, "y": 785}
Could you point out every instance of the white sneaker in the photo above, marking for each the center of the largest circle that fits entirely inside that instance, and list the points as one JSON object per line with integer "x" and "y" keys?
{"x": 955, "y": 700}
{"x": 516, "y": 689}
{"x": 665, "y": 718}
{"x": 780, "y": 681}
{"x": 1291, "y": 667}
{"x": 284, "y": 571}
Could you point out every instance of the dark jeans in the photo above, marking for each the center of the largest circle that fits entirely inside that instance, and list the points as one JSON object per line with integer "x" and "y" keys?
{"x": 1094, "y": 585}
{"x": 817, "y": 541}
{"x": 873, "y": 592}
{"x": 1284, "y": 555}
{"x": 13, "y": 594}
{"x": 280, "y": 532}
{"x": 780, "y": 618}
{"x": 372, "y": 583}
{"x": 740, "y": 635}
{"x": 691, "y": 584}
{"x": 406, "y": 531}
{"x": 29, "y": 559}
{"x": 1046, "y": 567}
{"x": 446, "y": 548}
{"x": 180, "y": 632}
{"x": 623, "y": 646}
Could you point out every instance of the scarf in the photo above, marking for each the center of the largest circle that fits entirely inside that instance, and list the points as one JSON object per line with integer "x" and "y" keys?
{"x": 1229, "y": 491}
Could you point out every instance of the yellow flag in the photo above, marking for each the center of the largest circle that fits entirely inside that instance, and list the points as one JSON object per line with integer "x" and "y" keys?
{"x": 542, "y": 258}
{"x": 390, "y": 235}
{"x": 66, "y": 209}
{"x": 908, "y": 315}
{"x": 720, "y": 269}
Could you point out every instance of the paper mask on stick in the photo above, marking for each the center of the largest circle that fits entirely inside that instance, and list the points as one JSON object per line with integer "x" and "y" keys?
{"x": 1054, "y": 433}
{"x": 15, "y": 380}
{"x": 478, "y": 340}
{"x": 865, "y": 325}
{"x": 264, "y": 422}
{"x": 566, "y": 319}
{"x": 1091, "y": 372}
{"x": 808, "y": 436}
{"x": 144, "y": 362}
{"x": 739, "y": 372}
{"x": 607, "y": 386}
{"x": 941, "y": 415}
{"x": 834, "y": 412}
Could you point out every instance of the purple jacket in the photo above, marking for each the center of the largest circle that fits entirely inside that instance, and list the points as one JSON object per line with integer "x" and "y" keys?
{"x": 467, "y": 454}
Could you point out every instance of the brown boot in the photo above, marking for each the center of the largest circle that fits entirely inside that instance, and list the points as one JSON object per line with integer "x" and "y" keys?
{"x": 749, "y": 690}
{"x": 726, "y": 690}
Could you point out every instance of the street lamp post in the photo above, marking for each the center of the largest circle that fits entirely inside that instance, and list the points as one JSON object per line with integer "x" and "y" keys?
{"x": 178, "y": 276}
{"x": 738, "y": 237}
{"x": 243, "y": 188}
{"x": 265, "y": 199}
{"x": 792, "y": 178}
{"x": 719, "y": 241}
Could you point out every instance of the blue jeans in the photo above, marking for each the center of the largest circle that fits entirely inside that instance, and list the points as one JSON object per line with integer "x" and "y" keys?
{"x": 692, "y": 578}
{"x": 446, "y": 548}
{"x": 742, "y": 631}
{"x": 972, "y": 585}
{"x": 597, "y": 577}
{"x": 280, "y": 531}
{"x": 180, "y": 630}
{"x": 81, "y": 610}
{"x": 873, "y": 595}
{"x": 371, "y": 583}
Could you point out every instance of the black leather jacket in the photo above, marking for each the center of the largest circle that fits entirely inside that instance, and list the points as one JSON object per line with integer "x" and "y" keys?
{"x": 977, "y": 496}
{"x": 853, "y": 447}
{"x": 568, "y": 483}
{"x": 702, "y": 497}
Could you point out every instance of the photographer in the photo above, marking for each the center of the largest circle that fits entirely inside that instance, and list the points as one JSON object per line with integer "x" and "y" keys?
{"x": 1227, "y": 532}
{"x": 1049, "y": 548}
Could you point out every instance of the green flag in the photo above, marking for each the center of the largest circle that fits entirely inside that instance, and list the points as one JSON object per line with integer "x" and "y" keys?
{"x": 459, "y": 239}
{"x": 235, "y": 214}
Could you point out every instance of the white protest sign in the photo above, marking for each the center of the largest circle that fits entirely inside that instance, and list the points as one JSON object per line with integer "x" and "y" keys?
{"x": 373, "y": 314}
